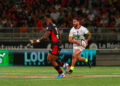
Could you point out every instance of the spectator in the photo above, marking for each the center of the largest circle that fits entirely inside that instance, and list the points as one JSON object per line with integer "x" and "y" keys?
{"x": 23, "y": 29}
{"x": 102, "y": 13}
{"x": 39, "y": 24}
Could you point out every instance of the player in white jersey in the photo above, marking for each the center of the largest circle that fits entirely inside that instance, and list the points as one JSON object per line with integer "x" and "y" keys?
{"x": 79, "y": 36}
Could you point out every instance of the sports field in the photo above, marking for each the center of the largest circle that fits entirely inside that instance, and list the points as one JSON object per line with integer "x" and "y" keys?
{"x": 45, "y": 76}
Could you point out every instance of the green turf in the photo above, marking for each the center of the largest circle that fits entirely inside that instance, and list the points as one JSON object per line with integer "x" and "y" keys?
{"x": 78, "y": 78}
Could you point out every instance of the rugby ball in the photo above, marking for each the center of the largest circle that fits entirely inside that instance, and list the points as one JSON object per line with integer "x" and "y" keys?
{"x": 83, "y": 43}
{"x": 66, "y": 67}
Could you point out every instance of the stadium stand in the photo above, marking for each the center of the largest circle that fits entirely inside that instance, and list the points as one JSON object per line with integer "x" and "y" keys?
{"x": 103, "y": 13}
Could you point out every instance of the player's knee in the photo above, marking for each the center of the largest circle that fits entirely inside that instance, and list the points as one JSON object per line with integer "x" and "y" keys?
{"x": 48, "y": 58}
{"x": 74, "y": 56}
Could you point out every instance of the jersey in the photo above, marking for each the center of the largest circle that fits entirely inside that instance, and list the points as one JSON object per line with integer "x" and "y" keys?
{"x": 55, "y": 39}
{"x": 78, "y": 35}
{"x": 53, "y": 31}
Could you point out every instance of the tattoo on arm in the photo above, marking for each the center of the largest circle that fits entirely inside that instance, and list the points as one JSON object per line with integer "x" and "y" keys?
{"x": 45, "y": 36}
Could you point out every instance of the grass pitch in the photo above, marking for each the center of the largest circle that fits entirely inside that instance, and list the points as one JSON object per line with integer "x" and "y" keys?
{"x": 45, "y": 76}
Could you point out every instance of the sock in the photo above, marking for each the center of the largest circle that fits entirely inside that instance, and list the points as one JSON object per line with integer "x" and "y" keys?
{"x": 59, "y": 70}
{"x": 59, "y": 63}
{"x": 71, "y": 69}
{"x": 86, "y": 60}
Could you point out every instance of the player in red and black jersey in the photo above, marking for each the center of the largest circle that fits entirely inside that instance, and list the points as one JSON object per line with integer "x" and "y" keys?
{"x": 53, "y": 34}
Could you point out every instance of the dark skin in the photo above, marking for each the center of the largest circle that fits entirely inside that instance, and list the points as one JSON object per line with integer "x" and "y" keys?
{"x": 45, "y": 36}
{"x": 52, "y": 58}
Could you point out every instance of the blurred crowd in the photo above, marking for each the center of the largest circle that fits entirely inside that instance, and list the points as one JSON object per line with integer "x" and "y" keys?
{"x": 28, "y": 13}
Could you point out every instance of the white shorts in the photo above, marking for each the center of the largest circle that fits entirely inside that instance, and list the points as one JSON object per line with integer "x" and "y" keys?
{"x": 78, "y": 47}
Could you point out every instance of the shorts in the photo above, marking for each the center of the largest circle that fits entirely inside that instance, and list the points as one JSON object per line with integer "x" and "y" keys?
{"x": 55, "y": 49}
{"x": 81, "y": 48}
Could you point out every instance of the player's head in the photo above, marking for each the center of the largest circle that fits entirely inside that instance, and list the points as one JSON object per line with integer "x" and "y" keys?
{"x": 75, "y": 21}
{"x": 47, "y": 18}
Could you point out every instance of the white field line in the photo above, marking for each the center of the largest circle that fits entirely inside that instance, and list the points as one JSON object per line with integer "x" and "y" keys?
{"x": 43, "y": 77}
{"x": 2, "y": 74}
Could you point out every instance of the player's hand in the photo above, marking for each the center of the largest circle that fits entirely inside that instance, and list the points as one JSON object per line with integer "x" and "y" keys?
{"x": 86, "y": 42}
{"x": 78, "y": 42}
{"x": 34, "y": 41}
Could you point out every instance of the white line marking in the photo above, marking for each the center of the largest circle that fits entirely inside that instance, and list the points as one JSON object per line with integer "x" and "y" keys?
{"x": 44, "y": 77}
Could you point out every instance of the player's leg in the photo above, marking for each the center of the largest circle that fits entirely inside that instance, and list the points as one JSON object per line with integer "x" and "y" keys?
{"x": 74, "y": 59}
{"x": 80, "y": 58}
{"x": 59, "y": 61}
{"x": 85, "y": 60}
{"x": 52, "y": 56}
{"x": 52, "y": 59}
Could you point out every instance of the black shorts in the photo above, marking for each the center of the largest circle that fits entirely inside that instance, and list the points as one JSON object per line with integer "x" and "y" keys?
{"x": 55, "y": 48}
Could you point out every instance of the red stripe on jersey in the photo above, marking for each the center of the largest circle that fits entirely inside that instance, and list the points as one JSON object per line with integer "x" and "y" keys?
{"x": 53, "y": 36}
{"x": 55, "y": 49}
{"x": 48, "y": 31}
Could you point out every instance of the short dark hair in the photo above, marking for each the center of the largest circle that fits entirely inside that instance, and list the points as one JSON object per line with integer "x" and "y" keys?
{"x": 47, "y": 16}
{"x": 76, "y": 18}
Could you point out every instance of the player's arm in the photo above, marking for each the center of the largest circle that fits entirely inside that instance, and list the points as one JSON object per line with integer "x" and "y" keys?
{"x": 73, "y": 41}
{"x": 45, "y": 36}
{"x": 87, "y": 36}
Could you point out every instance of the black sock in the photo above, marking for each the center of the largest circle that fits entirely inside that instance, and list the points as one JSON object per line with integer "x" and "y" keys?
{"x": 59, "y": 63}
{"x": 59, "y": 70}
{"x": 70, "y": 71}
